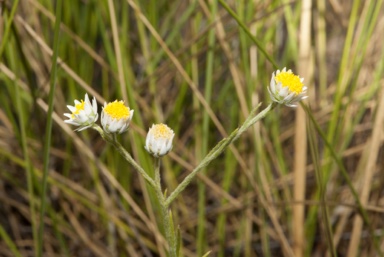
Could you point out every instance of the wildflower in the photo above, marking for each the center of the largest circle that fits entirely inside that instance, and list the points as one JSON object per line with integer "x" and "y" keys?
{"x": 115, "y": 117}
{"x": 159, "y": 140}
{"x": 84, "y": 114}
{"x": 287, "y": 88}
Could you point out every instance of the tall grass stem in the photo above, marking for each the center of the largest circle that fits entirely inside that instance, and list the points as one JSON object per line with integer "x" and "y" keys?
{"x": 344, "y": 173}
{"x": 5, "y": 36}
{"x": 48, "y": 127}
{"x": 248, "y": 32}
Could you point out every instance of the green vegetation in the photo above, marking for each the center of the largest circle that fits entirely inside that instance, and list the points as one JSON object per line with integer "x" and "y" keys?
{"x": 301, "y": 182}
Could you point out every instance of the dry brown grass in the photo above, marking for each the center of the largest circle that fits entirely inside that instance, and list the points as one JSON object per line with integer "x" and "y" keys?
{"x": 260, "y": 198}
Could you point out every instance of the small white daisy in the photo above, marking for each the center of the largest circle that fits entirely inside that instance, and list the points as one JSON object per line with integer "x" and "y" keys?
{"x": 115, "y": 117}
{"x": 84, "y": 114}
{"x": 159, "y": 140}
{"x": 287, "y": 88}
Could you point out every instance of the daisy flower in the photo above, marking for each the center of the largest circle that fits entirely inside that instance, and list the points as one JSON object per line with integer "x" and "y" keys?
{"x": 115, "y": 117}
{"x": 159, "y": 140}
{"x": 84, "y": 113}
{"x": 287, "y": 88}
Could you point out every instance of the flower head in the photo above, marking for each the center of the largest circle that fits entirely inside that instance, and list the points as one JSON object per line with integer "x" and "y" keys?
{"x": 159, "y": 140}
{"x": 115, "y": 117}
{"x": 287, "y": 88}
{"x": 84, "y": 114}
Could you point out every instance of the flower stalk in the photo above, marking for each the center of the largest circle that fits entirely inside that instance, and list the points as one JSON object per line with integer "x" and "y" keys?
{"x": 285, "y": 88}
{"x": 219, "y": 148}
{"x": 156, "y": 183}
{"x": 165, "y": 213}
{"x": 112, "y": 140}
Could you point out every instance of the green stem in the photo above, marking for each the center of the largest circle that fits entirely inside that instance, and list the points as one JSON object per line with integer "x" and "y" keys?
{"x": 24, "y": 145}
{"x": 48, "y": 128}
{"x": 344, "y": 173}
{"x": 321, "y": 186}
{"x": 8, "y": 27}
{"x": 8, "y": 241}
{"x": 156, "y": 184}
{"x": 157, "y": 173}
{"x": 169, "y": 233}
{"x": 112, "y": 140}
{"x": 219, "y": 148}
{"x": 246, "y": 30}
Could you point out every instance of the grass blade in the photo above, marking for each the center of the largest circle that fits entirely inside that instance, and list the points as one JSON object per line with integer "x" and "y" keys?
{"x": 48, "y": 127}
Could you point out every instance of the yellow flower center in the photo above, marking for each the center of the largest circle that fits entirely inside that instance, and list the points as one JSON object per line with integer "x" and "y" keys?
{"x": 117, "y": 110}
{"x": 290, "y": 80}
{"x": 161, "y": 131}
{"x": 79, "y": 107}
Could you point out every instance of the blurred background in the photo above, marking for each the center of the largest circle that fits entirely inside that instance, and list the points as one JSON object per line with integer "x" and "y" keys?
{"x": 287, "y": 187}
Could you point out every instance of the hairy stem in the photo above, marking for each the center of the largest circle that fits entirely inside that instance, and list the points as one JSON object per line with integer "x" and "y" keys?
{"x": 219, "y": 148}
{"x": 112, "y": 140}
{"x": 165, "y": 214}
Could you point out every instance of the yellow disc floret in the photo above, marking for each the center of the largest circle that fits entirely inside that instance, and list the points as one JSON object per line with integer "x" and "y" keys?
{"x": 290, "y": 80}
{"x": 79, "y": 107}
{"x": 162, "y": 131}
{"x": 117, "y": 110}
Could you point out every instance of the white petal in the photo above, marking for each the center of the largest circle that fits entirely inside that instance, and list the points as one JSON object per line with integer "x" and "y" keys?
{"x": 289, "y": 97}
{"x": 88, "y": 109}
{"x": 87, "y": 102}
{"x": 94, "y": 105}
{"x": 72, "y": 122}
{"x": 71, "y": 108}
{"x": 96, "y": 117}
{"x": 272, "y": 84}
{"x": 279, "y": 86}
{"x": 283, "y": 92}
{"x": 130, "y": 114}
{"x": 82, "y": 128}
